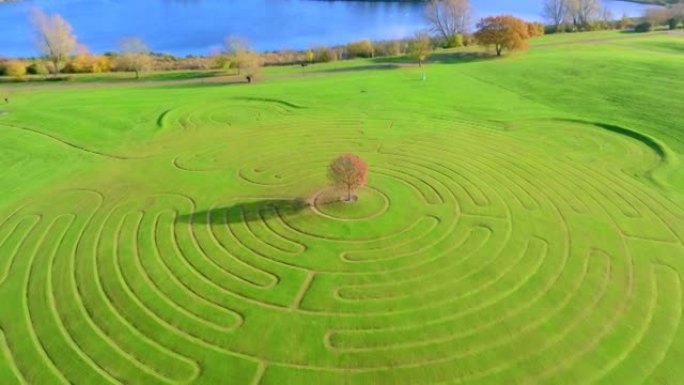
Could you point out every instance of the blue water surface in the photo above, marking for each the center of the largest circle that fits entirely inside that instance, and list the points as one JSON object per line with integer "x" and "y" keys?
{"x": 183, "y": 27}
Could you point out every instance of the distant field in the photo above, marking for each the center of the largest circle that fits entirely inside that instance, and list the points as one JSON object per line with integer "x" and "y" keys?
{"x": 523, "y": 224}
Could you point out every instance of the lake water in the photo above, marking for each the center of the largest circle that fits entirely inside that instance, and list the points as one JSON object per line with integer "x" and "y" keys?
{"x": 184, "y": 27}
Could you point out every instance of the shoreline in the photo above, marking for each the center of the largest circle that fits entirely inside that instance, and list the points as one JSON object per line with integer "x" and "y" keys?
{"x": 201, "y": 43}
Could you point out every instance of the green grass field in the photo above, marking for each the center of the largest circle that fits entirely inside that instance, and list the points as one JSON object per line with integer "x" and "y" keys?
{"x": 523, "y": 224}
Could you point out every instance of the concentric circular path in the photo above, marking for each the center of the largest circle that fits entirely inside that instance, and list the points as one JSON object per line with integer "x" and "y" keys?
{"x": 474, "y": 256}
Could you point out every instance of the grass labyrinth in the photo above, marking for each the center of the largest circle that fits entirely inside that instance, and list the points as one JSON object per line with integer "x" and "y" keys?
{"x": 516, "y": 229}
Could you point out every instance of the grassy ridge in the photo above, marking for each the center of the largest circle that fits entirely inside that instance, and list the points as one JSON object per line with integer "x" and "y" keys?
{"x": 522, "y": 224}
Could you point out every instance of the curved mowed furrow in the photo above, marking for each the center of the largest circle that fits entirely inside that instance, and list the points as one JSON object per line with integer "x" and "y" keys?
{"x": 475, "y": 255}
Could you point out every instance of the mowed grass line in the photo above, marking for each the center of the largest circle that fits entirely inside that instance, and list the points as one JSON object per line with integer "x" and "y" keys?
{"x": 523, "y": 223}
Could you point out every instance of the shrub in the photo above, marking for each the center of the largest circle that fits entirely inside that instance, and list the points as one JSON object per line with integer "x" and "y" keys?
{"x": 672, "y": 23}
{"x": 389, "y": 48}
{"x": 285, "y": 57}
{"x": 625, "y": 23}
{"x": 85, "y": 62}
{"x": 454, "y": 41}
{"x": 469, "y": 39}
{"x": 38, "y": 68}
{"x": 643, "y": 27}
{"x": 535, "y": 29}
{"x": 325, "y": 54}
{"x": 15, "y": 69}
{"x": 361, "y": 48}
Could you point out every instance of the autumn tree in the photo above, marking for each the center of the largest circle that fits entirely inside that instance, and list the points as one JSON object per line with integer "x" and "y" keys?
{"x": 348, "y": 172}
{"x": 556, "y": 12}
{"x": 239, "y": 53}
{"x": 251, "y": 63}
{"x": 420, "y": 47}
{"x": 134, "y": 56}
{"x": 448, "y": 18}
{"x": 235, "y": 48}
{"x": 504, "y": 32}
{"x": 55, "y": 38}
{"x": 85, "y": 62}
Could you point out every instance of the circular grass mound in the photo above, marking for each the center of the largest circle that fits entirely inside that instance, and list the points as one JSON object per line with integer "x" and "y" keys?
{"x": 473, "y": 256}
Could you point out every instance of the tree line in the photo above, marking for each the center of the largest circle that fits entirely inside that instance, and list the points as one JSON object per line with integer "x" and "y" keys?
{"x": 63, "y": 53}
{"x": 587, "y": 15}
{"x": 449, "y": 21}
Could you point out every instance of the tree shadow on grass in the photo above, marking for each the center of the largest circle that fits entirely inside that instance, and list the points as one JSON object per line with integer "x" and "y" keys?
{"x": 369, "y": 67}
{"x": 460, "y": 57}
{"x": 243, "y": 212}
{"x": 448, "y": 57}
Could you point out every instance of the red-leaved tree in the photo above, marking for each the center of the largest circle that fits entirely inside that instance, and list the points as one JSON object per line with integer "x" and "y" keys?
{"x": 348, "y": 172}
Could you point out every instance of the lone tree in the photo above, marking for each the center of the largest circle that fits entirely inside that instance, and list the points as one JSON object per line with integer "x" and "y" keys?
{"x": 135, "y": 56}
{"x": 55, "y": 38}
{"x": 250, "y": 62}
{"x": 420, "y": 47}
{"x": 348, "y": 172}
{"x": 448, "y": 18}
{"x": 241, "y": 56}
{"x": 502, "y": 32}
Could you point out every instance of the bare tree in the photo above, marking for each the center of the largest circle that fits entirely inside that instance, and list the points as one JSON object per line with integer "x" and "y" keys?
{"x": 448, "y": 18}
{"x": 677, "y": 14}
{"x": 677, "y": 10}
{"x": 55, "y": 38}
{"x": 556, "y": 12}
{"x": 135, "y": 56}
{"x": 656, "y": 16}
{"x": 606, "y": 17}
{"x": 583, "y": 12}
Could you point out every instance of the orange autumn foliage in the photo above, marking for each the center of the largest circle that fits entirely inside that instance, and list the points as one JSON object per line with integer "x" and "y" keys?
{"x": 504, "y": 32}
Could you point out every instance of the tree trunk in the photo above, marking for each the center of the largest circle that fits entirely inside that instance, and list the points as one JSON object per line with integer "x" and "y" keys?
{"x": 498, "y": 50}
{"x": 137, "y": 74}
